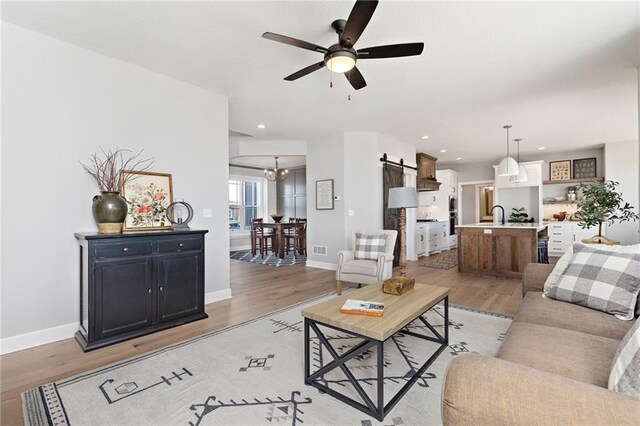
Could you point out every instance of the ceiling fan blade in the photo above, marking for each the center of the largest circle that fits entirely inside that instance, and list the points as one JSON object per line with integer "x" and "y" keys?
{"x": 304, "y": 71}
{"x": 355, "y": 78}
{"x": 358, "y": 19}
{"x": 391, "y": 51}
{"x": 294, "y": 42}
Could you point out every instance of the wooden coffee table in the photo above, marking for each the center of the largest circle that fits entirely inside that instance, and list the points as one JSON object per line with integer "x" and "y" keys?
{"x": 399, "y": 311}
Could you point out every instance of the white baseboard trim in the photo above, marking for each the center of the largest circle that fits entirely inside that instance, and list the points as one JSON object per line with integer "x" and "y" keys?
{"x": 241, "y": 248}
{"x": 37, "y": 338}
{"x": 322, "y": 265}
{"x": 216, "y": 296}
{"x": 61, "y": 332}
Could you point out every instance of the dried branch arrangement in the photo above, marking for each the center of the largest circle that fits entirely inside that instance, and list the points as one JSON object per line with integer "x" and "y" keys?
{"x": 106, "y": 167}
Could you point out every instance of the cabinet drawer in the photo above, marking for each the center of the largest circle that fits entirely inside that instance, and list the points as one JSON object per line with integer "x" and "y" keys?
{"x": 436, "y": 233}
{"x": 123, "y": 249}
{"x": 563, "y": 233}
{"x": 557, "y": 250}
{"x": 180, "y": 244}
{"x": 564, "y": 241}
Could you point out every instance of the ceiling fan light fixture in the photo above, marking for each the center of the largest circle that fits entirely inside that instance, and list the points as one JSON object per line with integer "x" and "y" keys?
{"x": 340, "y": 61}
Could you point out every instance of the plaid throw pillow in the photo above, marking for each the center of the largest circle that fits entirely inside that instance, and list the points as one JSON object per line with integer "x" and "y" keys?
{"x": 625, "y": 374}
{"x": 369, "y": 247}
{"x": 607, "y": 280}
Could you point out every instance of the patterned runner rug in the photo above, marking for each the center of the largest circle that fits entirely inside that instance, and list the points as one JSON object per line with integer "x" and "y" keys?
{"x": 252, "y": 374}
{"x": 269, "y": 258}
{"x": 445, "y": 260}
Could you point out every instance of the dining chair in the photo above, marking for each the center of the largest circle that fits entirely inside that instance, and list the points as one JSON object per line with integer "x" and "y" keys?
{"x": 298, "y": 237}
{"x": 265, "y": 241}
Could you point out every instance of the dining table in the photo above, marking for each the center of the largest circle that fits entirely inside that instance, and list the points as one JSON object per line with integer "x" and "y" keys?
{"x": 280, "y": 229}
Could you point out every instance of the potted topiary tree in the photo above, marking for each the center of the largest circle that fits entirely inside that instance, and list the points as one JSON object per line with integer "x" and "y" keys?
{"x": 601, "y": 203}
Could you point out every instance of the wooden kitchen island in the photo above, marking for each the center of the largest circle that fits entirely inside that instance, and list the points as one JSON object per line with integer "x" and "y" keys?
{"x": 498, "y": 250}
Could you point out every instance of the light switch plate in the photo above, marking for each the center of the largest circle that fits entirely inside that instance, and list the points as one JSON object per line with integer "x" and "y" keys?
{"x": 207, "y": 213}
{"x": 351, "y": 212}
{"x": 488, "y": 231}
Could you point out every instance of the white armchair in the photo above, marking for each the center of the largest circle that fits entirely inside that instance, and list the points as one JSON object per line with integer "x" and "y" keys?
{"x": 362, "y": 271}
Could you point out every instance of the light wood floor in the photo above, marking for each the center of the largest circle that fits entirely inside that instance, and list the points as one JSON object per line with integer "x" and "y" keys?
{"x": 257, "y": 290}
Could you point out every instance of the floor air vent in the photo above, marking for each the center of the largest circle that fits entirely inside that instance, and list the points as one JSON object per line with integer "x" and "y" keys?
{"x": 320, "y": 250}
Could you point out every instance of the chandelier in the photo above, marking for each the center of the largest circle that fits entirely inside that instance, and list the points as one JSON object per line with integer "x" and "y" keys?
{"x": 275, "y": 174}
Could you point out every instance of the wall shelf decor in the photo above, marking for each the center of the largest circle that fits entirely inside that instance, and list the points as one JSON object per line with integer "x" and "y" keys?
{"x": 584, "y": 168}
{"x": 566, "y": 181}
{"x": 560, "y": 170}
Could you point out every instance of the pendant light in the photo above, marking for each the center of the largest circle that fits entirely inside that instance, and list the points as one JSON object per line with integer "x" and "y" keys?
{"x": 508, "y": 166}
{"x": 522, "y": 175}
{"x": 276, "y": 174}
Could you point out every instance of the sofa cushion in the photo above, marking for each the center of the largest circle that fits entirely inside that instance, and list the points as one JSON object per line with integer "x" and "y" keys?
{"x": 369, "y": 247}
{"x": 543, "y": 311}
{"x": 362, "y": 267}
{"x": 579, "y": 356}
{"x": 603, "y": 278}
{"x": 625, "y": 374}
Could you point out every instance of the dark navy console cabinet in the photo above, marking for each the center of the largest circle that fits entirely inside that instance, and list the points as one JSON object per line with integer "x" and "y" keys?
{"x": 138, "y": 283}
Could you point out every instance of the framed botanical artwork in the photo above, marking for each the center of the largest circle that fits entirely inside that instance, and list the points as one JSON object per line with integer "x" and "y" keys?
{"x": 560, "y": 170}
{"x": 324, "y": 194}
{"x": 148, "y": 195}
{"x": 584, "y": 168}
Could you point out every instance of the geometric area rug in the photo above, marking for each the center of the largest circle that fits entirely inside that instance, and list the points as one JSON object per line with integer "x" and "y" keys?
{"x": 253, "y": 374}
{"x": 269, "y": 258}
{"x": 443, "y": 261}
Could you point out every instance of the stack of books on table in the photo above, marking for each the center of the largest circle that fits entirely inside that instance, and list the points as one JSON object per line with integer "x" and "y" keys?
{"x": 362, "y": 307}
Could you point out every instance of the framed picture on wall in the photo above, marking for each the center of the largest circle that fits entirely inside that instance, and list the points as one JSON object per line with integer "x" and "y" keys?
{"x": 324, "y": 194}
{"x": 148, "y": 195}
{"x": 584, "y": 168}
{"x": 560, "y": 170}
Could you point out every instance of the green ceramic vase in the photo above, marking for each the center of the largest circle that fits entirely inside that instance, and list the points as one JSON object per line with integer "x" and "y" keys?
{"x": 109, "y": 211}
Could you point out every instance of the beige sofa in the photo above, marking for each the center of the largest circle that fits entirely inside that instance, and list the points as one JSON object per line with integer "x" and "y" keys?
{"x": 552, "y": 368}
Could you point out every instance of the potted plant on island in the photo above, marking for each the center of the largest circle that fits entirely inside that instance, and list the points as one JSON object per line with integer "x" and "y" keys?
{"x": 520, "y": 216}
{"x": 106, "y": 167}
{"x": 601, "y": 203}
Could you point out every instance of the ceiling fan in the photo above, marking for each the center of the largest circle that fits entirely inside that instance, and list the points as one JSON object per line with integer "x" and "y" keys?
{"x": 342, "y": 57}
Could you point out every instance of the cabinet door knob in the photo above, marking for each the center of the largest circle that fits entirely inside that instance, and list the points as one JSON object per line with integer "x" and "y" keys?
{"x": 161, "y": 288}
{"x": 125, "y": 249}
{"x": 181, "y": 244}
{"x": 149, "y": 291}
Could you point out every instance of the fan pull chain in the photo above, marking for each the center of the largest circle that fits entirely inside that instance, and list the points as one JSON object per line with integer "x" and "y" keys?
{"x": 349, "y": 97}
{"x": 331, "y": 82}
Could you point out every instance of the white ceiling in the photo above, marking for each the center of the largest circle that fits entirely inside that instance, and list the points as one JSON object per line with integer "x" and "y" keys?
{"x": 563, "y": 74}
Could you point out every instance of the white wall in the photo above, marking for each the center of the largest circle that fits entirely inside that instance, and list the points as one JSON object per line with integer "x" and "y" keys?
{"x": 60, "y": 104}
{"x": 621, "y": 165}
{"x": 362, "y": 193}
{"x": 352, "y": 159}
{"x": 325, "y": 160}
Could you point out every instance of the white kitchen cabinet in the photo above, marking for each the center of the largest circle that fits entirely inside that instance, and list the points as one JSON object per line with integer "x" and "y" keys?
{"x": 436, "y": 237}
{"x": 534, "y": 174}
{"x": 421, "y": 239}
{"x": 563, "y": 234}
{"x": 428, "y": 198}
{"x": 449, "y": 183}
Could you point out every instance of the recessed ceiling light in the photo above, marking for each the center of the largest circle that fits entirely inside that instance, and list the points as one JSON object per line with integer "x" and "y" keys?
{"x": 443, "y": 150}
{"x": 425, "y": 137}
{"x": 459, "y": 158}
{"x": 541, "y": 148}
{"x": 262, "y": 126}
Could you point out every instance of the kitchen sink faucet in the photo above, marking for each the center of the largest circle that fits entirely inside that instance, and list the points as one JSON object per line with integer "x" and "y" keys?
{"x": 501, "y": 208}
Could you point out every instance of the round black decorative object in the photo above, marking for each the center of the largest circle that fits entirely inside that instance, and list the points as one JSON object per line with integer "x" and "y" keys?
{"x": 179, "y": 213}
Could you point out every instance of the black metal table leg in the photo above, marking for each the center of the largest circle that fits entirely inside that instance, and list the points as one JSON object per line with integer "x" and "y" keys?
{"x": 378, "y": 410}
